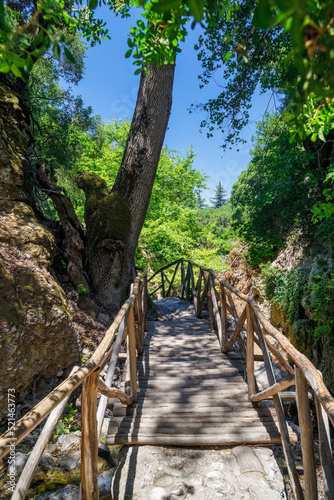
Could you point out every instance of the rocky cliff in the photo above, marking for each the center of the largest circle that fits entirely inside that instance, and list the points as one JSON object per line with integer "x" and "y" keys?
{"x": 36, "y": 334}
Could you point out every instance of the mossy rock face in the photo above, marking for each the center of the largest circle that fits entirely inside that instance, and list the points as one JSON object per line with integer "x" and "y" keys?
{"x": 36, "y": 334}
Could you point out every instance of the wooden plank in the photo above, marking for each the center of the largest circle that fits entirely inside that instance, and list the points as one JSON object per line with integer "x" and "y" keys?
{"x": 211, "y": 430}
{"x": 306, "y": 436}
{"x": 273, "y": 389}
{"x": 326, "y": 458}
{"x": 295, "y": 483}
{"x": 190, "y": 440}
{"x": 232, "y": 412}
{"x": 89, "y": 438}
{"x": 191, "y": 421}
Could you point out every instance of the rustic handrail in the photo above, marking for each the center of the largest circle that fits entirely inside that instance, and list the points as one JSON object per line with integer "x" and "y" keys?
{"x": 251, "y": 322}
{"x": 88, "y": 375}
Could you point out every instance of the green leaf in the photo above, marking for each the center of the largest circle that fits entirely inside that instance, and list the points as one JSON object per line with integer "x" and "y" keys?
{"x": 56, "y": 50}
{"x": 321, "y": 135}
{"x": 4, "y": 67}
{"x": 69, "y": 55}
{"x": 139, "y": 70}
{"x": 227, "y": 56}
{"x": 165, "y": 5}
{"x": 196, "y": 8}
{"x": 263, "y": 17}
{"x": 29, "y": 64}
{"x": 314, "y": 137}
{"x": 130, "y": 43}
{"x": 92, "y": 4}
{"x": 128, "y": 53}
{"x": 39, "y": 37}
{"x": 16, "y": 71}
{"x": 66, "y": 17}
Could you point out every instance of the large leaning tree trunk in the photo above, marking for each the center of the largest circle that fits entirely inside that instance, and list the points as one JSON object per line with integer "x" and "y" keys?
{"x": 114, "y": 219}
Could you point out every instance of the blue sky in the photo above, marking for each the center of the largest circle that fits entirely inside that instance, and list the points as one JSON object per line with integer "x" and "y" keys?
{"x": 110, "y": 87}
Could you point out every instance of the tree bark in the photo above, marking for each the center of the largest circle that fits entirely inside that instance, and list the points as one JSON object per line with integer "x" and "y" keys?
{"x": 114, "y": 220}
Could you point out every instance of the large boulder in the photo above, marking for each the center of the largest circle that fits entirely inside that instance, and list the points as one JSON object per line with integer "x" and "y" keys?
{"x": 36, "y": 334}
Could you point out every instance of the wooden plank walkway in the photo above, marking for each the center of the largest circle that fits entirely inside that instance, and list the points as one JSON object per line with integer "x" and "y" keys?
{"x": 190, "y": 393}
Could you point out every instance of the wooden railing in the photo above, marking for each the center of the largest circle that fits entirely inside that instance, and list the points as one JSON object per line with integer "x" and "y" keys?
{"x": 123, "y": 327}
{"x": 251, "y": 327}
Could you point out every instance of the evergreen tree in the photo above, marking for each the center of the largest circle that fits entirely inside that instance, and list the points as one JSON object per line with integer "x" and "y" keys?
{"x": 220, "y": 198}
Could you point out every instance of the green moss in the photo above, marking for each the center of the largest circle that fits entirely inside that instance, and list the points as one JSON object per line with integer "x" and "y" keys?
{"x": 114, "y": 211}
{"x": 107, "y": 216}
{"x": 29, "y": 282}
{"x": 6, "y": 281}
{"x": 12, "y": 313}
{"x": 95, "y": 189}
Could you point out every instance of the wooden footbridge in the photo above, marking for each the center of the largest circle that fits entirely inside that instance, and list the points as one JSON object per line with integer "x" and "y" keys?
{"x": 186, "y": 384}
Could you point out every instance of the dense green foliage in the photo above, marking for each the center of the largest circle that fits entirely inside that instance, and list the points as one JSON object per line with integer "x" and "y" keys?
{"x": 274, "y": 197}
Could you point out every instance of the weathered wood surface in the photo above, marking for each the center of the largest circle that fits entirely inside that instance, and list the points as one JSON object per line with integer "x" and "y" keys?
{"x": 89, "y": 443}
{"x": 190, "y": 393}
{"x": 306, "y": 436}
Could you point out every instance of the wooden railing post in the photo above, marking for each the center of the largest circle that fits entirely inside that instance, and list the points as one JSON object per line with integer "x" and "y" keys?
{"x": 210, "y": 306}
{"x": 306, "y": 436}
{"x": 183, "y": 280}
{"x": 139, "y": 329}
{"x": 198, "y": 291}
{"x": 145, "y": 303}
{"x": 131, "y": 350}
{"x": 325, "y": 450}
{"x": 223, "y": 314}
{"x": 193, "y": 288}
{"x": 163, "y": 284}
{"x": 250, "y": 353}
{"x": 188, "y": 283}
{"x": 89, "y": 438}
{"x": 216, "y": 309}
